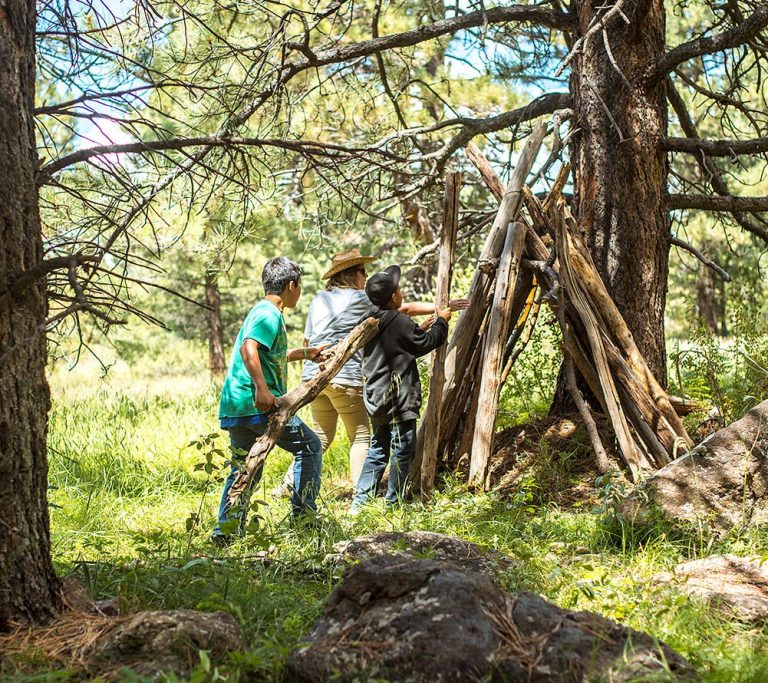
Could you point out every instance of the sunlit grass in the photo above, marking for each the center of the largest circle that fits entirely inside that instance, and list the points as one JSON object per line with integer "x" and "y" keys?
{"x": 124, "y": 488}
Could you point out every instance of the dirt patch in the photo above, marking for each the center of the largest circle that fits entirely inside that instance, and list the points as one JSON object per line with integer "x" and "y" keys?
{"x": 551, "y": 459}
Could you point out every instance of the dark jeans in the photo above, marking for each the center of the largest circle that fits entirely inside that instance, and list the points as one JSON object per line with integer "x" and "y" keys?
{"x": 296, "y": 438}
{"x": 395, "y": 443}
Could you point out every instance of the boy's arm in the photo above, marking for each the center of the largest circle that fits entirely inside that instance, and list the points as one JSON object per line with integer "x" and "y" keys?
{"x": 249, "y": 352}
{"x": 421, "y": 341}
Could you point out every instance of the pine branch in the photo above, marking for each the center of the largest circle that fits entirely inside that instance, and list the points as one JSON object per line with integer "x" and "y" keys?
{"x": 738, "y": 35}
{"x": 716, "y": 148}
{"x": 710, "y": 203}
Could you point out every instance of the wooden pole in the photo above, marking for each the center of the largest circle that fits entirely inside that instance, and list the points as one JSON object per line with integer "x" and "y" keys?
{"x": 288, "y": 405}
{"x": 429, "y": 431}
{"x": 493, "y": 354}
{"x": 465, "y": 335}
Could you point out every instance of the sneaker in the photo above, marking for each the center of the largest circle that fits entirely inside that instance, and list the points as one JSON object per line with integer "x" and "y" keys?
{"x": 282, "y": 490}
{"x": 354, "y": 510}
{"x": 308, "y": 521}
{"x": 222, "y": 541}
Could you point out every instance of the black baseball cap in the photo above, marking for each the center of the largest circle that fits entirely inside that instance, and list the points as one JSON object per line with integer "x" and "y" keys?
{"x": 382, "y": 285}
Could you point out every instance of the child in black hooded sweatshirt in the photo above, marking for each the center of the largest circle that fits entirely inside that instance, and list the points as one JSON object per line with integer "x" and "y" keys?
{"x": 392, "y": 392}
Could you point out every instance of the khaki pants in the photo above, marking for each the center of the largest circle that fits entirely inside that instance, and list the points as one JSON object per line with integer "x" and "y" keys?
{"x": 340, "y": 401}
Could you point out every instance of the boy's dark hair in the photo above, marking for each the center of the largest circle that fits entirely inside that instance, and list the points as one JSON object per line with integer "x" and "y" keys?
{"x": 278, "y": 272}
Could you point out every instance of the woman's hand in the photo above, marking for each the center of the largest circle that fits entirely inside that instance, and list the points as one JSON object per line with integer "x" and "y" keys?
{"x": 458, "y": 304}
{"x": 315, "y": 353}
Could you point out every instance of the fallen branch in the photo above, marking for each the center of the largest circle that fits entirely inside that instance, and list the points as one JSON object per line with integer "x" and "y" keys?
{"x": 603, "y": 464}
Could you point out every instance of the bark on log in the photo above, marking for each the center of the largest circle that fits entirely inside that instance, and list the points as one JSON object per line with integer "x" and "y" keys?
{"x": 603, "y": 465}
{"x": 429, "y": 432}
{"x": 493, "y": 354}
{"x": 291, "y": 402}
{"x": 465, "y": 335}
{"x": 578, "y": 299}
{"x": 585, "y": 270}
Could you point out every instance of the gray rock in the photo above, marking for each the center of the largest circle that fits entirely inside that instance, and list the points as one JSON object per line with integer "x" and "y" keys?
{"x": 152, "y": 642}
{"x": 424, "y": 545}
{"x": 722, "y": 482}
{"x": 422, "y": 620}
{"x": 738, "y": 584}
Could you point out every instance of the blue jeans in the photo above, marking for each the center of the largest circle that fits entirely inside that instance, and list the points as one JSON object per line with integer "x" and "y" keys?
{"x": 395, "y": 443}
{"x": 296, "y": 438}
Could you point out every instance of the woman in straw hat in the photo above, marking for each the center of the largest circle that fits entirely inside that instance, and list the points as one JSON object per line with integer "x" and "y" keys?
{"x": 333, "y": 314}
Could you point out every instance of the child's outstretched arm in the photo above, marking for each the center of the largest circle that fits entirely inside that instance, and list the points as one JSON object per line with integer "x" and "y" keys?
{"x": 423, "y": 341}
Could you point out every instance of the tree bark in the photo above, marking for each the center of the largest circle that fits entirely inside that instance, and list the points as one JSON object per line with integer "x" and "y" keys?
{"x": 620, "y": 171}
{"x": 29, "y": 590}
{"x": 493, "y": 354}
{"x": 706, "y": 308}
{"x": 217, "y": 361}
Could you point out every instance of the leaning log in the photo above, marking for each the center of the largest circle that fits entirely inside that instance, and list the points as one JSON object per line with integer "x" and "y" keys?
{"x": 493, "y": 354}
{"x": 466, "y": 333}
{"x": 429, "y": 431}
{"x": 290, "y": 403}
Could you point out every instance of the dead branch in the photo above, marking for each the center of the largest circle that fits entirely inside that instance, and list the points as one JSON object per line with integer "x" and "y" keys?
{"x": 730, "y": 203}
{"x": 709, "y": 263}
{"x": 428, "y": 437}
{"x": 733, "y": 37}
{"x": 289, "y": 404}
{"x": 716, "y": 148}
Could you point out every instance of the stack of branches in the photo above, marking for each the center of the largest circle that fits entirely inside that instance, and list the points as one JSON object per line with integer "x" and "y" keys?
{"x": 596, "y": 339}
{"x": 534, "y": 254}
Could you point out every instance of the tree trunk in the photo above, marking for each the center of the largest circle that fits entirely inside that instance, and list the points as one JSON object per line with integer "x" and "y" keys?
{"x": 620, "y": 171}
{"x": 29, "y": 590}
{"x": 217, "y": 361}
{"x": 706, "y": 308}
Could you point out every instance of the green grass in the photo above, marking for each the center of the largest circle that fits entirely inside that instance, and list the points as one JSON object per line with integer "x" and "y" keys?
{"x": 125, "y": 494}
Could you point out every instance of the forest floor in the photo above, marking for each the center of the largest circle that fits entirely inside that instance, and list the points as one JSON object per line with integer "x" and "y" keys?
{"x": 131, "y": 516}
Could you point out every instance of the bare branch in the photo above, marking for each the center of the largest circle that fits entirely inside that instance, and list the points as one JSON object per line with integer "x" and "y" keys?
{"x": 306, "y": 147}
{"x": 28, "y": 277}
{"x": 709, "y": 263}
{"x": 716, "y": 148}
{"x": 709, "y": 203}
{"x": 738, "y": 35}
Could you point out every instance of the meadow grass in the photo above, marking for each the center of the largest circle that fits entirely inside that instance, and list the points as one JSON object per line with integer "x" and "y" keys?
{"x": 131, "y": 516}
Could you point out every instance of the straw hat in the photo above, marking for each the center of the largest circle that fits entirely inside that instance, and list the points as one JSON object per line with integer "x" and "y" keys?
{"x": 346, "y": 259}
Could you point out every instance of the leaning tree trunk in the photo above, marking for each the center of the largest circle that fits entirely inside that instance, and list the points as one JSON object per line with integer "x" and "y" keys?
{"x": 620, "y": 170}
{"x": 217, "y": 361}
{"x": 28, "y": 586}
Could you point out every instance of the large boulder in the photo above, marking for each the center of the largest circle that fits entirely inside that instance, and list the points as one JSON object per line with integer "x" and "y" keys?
{"x": 155, "y": 641}
{"x": 423, "y": 545}
{"x": 737, "y": 584}
{"x": 422, "y": 620}
{"x": 722, "y": 482}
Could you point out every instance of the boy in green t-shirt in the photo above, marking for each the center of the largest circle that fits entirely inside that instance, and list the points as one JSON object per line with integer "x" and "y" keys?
{"x": 257, "y": 374}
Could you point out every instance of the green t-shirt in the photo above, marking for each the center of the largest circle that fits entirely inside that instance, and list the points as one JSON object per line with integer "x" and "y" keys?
{"x": 265, "y": 325}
